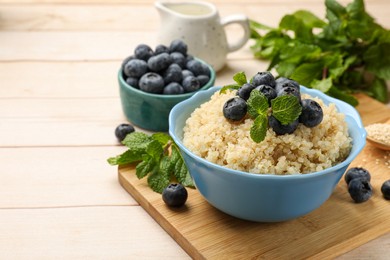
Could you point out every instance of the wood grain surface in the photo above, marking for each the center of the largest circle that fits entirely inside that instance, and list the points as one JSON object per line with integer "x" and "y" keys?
{"x": 337, "y": 227}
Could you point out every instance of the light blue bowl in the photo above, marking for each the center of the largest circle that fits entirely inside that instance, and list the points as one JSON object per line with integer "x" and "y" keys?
{"x": 263, "y": 197}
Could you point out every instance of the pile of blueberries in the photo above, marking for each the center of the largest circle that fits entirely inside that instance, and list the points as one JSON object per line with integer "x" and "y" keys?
{"x": 235, "y": 108}
{"x": 166, "y": 70}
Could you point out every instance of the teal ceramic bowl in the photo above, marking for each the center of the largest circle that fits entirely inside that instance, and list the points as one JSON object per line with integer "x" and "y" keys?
{"x": 150, "y": 111}
{"x": 263, "y": 197}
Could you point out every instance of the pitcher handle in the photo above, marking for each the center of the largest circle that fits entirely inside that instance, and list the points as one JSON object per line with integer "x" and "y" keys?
{"x": 243, "y": 21}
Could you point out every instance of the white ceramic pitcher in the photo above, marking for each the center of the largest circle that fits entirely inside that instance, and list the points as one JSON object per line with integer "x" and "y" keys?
{"x": 198, "y": 24}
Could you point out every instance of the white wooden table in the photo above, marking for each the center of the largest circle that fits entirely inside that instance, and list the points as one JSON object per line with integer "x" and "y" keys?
{"x": 59, "y": 106}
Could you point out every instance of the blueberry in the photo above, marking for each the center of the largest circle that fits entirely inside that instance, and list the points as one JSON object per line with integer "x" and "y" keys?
{"x": 289, "y": 90}
{"x": 312, "y": 113}
{"x": 285, "y": 82}
{"x": 173, "y": 88}
{"x": 136, "y": 68}
{"x": 263, "y": 78}
{"x": 245, "y": 91}
{"x": 125, "y": 61}
{"x": 357, "y": 172}
{"x": 189, "y": 57}
{"x": 235, "y": 109}
{"x": 161, "y": 49}
{"x": 360, "y": 190}
{"x": 205, "y": 70}
{"x": 151, "y": 82}
{"x": 203, "y": 79}
{"x": 178, "y": 46}
{"x": 172, "y": 74}
{"x": 195, "y": 67}
{"x": 190, "y": 84}
{"x": 386, "y": 189}
{"x": 179, "y": 59}
{"x": 122, "y": 130}
{"x": 159, "y": 62}
{"x": 186, "y": 73}
{"x": 175, "y": 195}
{"x": 268, "y": 91}
{"x": 143, "y": 52}
{"x": 281, "y": 129}
{"x": 132, "y": 82}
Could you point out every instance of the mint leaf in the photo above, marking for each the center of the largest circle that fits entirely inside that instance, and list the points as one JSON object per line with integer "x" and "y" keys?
{"x": 322, "y": 85}
{"x": 257, "y": 104}
{"x": 128, "y": 156}
{"x": 143, "y": 168}
{"x": 162, "y": 138}
{"x": 181, "y": 172}
{"x": 286, "y": 109}
{"x": 227, "y": 87}
{"x": 240, "y": 78}
{"x": 335, "y": 92}
{"x": 258, "y": 130}
{"x": 155, "y": 150}
{"x": 378, "y": 61}
{"x": 137, "y": 141}
{"x": 158, "y": 182}
{"x": 306, "y": 72}
{"x": 379, "y": 90}
{"x": 309, "y": 19}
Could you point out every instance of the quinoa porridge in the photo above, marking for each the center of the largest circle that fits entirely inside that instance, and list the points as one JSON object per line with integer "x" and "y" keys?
{"x": 209, "y": 135}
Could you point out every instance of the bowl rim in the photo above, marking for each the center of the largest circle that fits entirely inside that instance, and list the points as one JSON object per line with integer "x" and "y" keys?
{"x": 208, "y": 85}
{"x": 352, "y": 112}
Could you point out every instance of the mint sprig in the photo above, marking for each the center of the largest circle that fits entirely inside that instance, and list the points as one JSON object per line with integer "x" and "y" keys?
{"x": 239, "y": 78}
{"x": 286, "y": 109}
{"x": 158, "y": 158}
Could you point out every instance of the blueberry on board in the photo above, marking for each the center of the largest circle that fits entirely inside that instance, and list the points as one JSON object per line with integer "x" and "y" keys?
{"x": 357, "y": 172}
{"x": 159, "y": 62}
{"x": 235, "y": 109}
{"x": 122, "y": 130}
{"x": 245, "y": 91}
{"x": 281, "y": 129}
{"x": 190, "y": 84}
{"x": 280, "y": 83}
{"x": 268, "y": 91}
{"x": 173, "y": 88}
{"x": 172, "y": 74}
{"x": 203, "y": 79}
{"x": 385, "y": 189}
{"x": 161, "y": 49}
{"x": 151, "y": 82}
{"x": 178, "y": 46}
{"x": 136, "y": 68}
{"x": 289, "y": 90}
{"x": 143, "y": 52}
{"x": 175, "y": 195}
{"x": 186, "y": 73}
{"x": 263, "y": 78}
{"x": 360, "y": 190}
{"x": 195, "y": 67}
{"x": 179, "y": 59}
{"x": 312, "y": 113}
{"x": 132, "y": 82}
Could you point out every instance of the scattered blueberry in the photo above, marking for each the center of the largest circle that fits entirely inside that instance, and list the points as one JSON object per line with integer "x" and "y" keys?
{"x": 173, "y": 88}
{"x": 151, "y": 82}
{"x": 235, "y": 109}
{"x": 386, "y": 189}
{"x": 122, "y": 130}
{"x": 263, "y": 78}
{"x": 312, "y": 113}
{"x": 268, "y": 91}
{"x": 190, "y": 84}
{"x": 175, "y": 195}
{"x": 357, "y": 172}
{"x": 132, "y": 82}
{"x": 281, "y": 129}
{"x": 179, "y": 59}
{"x": 203, "y": 79}
{"x": 178, "y": 46}
{"x": 143, "y": 52}
{"x": 159, "y": 62}
{"x": 186, "y": 73}
{"x": 172, "y": 74}
{"x": 125, "y": 61}
{"x": 161, "y": 49}
{"x": 360, "y": 190}
{"x": 245, "y": 91}
{"x": 135, "y": 68}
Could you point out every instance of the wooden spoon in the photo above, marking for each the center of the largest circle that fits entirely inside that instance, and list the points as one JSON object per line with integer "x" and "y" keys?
{"x": 377, "y": 143}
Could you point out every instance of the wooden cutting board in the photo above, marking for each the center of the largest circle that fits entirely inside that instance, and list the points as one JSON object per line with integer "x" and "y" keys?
{"x": 337, "y": 227}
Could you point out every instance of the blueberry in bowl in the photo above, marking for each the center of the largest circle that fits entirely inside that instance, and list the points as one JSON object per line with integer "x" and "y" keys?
{"x": 285, "y": 176}
{"x": 151, "y": 82}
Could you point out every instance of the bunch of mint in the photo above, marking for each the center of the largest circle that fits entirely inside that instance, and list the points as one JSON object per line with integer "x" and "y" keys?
{"x": 286, "y": 109}
{"x": 157, "y": 156}
{"x": 348, "y": 52}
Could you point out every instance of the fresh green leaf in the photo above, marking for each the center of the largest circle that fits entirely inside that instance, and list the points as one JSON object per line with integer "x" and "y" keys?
{"x": 309, "y": 19}
{"x": 258, "y": 25}
{"x": 295, "y": 24}
{"x": 127, "y": 157}
{"x": 181, "y": 172}
{"x": 323, "y": 85}
{"x": 307, "y": 72}
{"x": 377, "y": 59}
{"x": 143, "y": 168}
{"x": 240, "y": 78}
{"x": 227, "y": 87}
{"x": 158, "y": 182}
{"x": 155, "y": 150}
{"x": 378, "y": 90}
{"x": 258, "y": 130}
{"x": 257, "y": 104}
{"x": 286, "y": 109}
{"x": 162, "y": 138}
{"x": 137, "y": 141}
{"x": 335, "y": 92}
